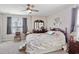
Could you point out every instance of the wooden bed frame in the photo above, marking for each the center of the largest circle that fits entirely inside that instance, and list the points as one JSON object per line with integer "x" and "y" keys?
{"x": 54, "y": 29}
{"x": 64, "y": 32}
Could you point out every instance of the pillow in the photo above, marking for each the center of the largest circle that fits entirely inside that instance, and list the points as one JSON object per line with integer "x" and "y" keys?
{"x": 50, "y": 32}
{"x": 73, "y": 34}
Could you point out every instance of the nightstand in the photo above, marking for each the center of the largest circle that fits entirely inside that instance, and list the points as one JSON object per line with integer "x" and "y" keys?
{"x": 73, "y": 47}
{"x": 17, "y": 36}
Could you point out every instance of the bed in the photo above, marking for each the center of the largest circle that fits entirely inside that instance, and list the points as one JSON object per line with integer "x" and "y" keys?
{"x": 38, "y": 43}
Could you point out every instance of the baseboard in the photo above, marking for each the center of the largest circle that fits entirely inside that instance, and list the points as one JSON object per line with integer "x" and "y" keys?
{"x": 5, "y": 41}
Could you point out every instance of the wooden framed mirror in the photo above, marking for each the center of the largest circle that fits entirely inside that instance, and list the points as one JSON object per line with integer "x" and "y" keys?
{"x": 38, "y": 24}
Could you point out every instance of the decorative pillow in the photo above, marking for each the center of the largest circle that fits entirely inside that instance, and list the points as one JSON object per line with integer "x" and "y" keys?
{"x": 73, "y": 34}
{"x": 50, "y": 32}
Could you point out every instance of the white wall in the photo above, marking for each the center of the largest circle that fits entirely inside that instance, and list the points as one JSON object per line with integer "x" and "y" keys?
{"x": 0, "y": 27}
{"x": 65, "y": 16}
{"x": 31, "y": 19}
{"x": 39, "y": 18}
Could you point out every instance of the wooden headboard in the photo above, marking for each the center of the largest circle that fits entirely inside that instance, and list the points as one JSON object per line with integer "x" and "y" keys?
{"x": 64, "y": 32}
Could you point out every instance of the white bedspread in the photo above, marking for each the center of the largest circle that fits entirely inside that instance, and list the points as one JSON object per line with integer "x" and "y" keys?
{"x": 43, "y": 42}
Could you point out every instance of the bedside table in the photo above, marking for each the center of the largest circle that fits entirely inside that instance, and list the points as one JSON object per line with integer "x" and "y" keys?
{"x": 17, "y": 36}
{"x": 73, "y": 47}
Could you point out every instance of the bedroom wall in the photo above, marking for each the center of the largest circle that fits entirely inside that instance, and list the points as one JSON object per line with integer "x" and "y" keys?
{"x": 65, "y": 16}
{"x": 0, "y": 27}
{"x": 31, "y": 19}
{"x": 39, "y": 18}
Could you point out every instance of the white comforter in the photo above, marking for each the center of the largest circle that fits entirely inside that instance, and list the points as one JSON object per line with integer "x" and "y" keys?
{"x": 44, "y": 42}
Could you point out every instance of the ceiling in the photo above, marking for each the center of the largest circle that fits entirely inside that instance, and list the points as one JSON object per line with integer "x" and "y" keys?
{"x": 44, "y": 9}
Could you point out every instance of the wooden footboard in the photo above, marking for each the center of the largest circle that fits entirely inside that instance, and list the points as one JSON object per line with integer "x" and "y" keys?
{"x": 23, "y": 49}
{"x": 64, "y": 32}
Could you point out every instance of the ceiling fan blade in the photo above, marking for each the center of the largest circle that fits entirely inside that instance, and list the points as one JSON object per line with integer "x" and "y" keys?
{"x": 24, "y": 10}
{"x": 30, "y": 9}
{"x": 30, "y": 5}
{"x": 35, "y": 10}
{"x": 33, "y": 6}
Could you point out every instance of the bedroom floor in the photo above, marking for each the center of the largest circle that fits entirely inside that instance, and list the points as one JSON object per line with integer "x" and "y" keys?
{"x": 11, "y": 47}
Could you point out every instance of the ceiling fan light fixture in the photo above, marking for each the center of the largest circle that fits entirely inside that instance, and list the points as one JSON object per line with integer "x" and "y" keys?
{"x": 29, "y": 11}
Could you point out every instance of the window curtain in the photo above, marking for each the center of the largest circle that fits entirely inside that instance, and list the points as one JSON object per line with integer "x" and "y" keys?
{"x": 74, "y": 17}
{"x": 24, "y": 25}
{"x": 8, "y": 25}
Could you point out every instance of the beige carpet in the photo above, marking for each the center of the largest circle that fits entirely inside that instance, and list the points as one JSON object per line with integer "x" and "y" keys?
{"x": 11, "y": 47}
{"x": 58, "y": 52}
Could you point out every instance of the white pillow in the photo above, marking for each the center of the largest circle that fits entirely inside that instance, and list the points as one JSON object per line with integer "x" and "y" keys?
{"x": 50, "y": 32}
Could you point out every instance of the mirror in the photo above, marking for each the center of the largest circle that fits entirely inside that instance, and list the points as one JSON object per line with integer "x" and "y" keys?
{"x": 38, "y": 24}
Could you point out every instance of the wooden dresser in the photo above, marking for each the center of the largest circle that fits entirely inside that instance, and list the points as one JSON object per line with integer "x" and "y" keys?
{"x": 73, "y": 47}
{"x": 40, "y": 31}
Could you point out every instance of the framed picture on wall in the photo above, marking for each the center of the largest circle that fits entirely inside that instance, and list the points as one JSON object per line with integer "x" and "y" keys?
{"x": 57, "y": 21}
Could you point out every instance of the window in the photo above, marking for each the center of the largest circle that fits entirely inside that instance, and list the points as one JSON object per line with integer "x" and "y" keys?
{"x": 9, "y": 25}
{"x": 16, "y": 25}
{"x": 77, "y": 24}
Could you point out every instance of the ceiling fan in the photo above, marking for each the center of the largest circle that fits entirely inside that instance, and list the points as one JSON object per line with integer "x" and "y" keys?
{"x": 30, "y": 9}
